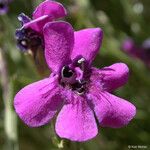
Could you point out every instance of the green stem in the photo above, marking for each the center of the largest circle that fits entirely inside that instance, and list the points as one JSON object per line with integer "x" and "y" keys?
{"x": 10, "y": 120}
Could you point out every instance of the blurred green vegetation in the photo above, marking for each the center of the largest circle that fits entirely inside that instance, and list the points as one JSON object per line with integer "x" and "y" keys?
{"x": 118, "y": 19}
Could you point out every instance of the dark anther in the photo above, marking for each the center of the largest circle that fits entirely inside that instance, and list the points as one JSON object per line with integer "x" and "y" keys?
{"x": 80, "y": 90}
{"x": 76, "y": 85}
{"x": 79, "y": 87}
{"x": 67, "y": 72}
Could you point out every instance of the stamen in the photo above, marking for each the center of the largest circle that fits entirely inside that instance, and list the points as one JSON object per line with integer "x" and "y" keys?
{"x": 74, "y": 78}
{"x": 81, "y": 63}
{"x": 24, "y": 42}
{"x": 79, "y": 87}
{"x": 23, "y": 18}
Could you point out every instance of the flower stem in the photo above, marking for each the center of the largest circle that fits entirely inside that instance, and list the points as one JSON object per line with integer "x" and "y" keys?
{"x": 10, "y": 120}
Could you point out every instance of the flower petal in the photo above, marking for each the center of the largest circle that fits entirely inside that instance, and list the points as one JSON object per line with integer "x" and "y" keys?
{"x": 87, "y": 43}
{"x": 112, "y": 111}
{"x": 50, "y": 8}
{"x": 59, "y": 40}
{"x": 37, "y": 103}
{"x": 76, "y": 121}
{"x": 37, "y": 24}
{"x": 114, "y": 76}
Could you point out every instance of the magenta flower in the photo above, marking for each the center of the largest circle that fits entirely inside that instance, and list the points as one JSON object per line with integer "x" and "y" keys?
{"x": 78, "y": 90}
{"x": 30, "y": 36}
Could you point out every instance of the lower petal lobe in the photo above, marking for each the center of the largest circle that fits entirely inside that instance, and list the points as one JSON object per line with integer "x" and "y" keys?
{"x": 112, "y": 111}
{"x": 37, "y": 103}
{"x": 76, "y": 121}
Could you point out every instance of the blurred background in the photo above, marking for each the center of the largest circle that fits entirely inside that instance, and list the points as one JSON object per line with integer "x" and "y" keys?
{"x": 120, "y": 20}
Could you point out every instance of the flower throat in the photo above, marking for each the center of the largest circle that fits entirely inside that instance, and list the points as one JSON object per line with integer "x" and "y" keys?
{"x": 73, "y": 76}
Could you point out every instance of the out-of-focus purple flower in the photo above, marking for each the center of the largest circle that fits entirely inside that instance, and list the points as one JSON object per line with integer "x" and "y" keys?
{"x": 138, "y": 51}
{"x": 30, "y": 35}
{"x": 4, "y": 6}
{"x": 128, "y": 45}
{"x": 81, "y": 91}
{"x": 131, "y": 48}
{"x": 146, "y": 52}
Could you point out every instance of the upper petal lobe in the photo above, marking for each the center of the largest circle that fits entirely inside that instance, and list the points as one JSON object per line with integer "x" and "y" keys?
{"x": 59, "y": 40}
{"x": 111, "y": 77}
{"x": 87, "y": 43}
{"x": 76, "y": 121}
